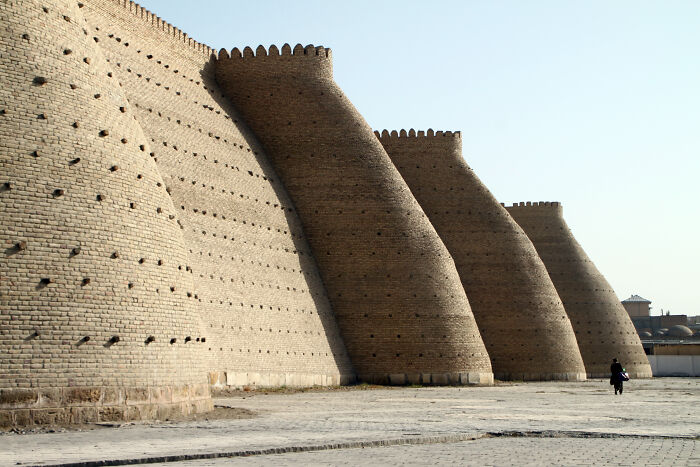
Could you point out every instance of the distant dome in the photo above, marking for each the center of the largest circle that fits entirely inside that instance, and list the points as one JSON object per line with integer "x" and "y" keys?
{"x": 680, "y": 331}
{"x": 664, "y": 330}
{"x": 659, "y": 333}
{"x": 645, "y": 334}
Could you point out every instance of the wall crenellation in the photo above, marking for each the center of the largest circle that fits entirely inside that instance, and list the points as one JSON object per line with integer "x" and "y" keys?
{"x": 385, "y": 134}
{"x": 310, "y": 61}
{"x": 535, "y": 204}
{"x": 287, "y": 50}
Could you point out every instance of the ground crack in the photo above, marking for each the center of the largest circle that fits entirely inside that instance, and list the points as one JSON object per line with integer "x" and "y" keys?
{"x": 577, "y": 434}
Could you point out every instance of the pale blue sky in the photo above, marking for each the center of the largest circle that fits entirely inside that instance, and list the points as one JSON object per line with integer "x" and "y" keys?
{"x": 591, "y": 103}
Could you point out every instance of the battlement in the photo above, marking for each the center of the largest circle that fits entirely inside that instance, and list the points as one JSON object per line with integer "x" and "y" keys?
{"x": 534, "y": 204}
{"x": 260, "y": 51}
{"x": 309, "y": 61}
{"x": 385, "y": 134}
{"x": 157, "y": 23}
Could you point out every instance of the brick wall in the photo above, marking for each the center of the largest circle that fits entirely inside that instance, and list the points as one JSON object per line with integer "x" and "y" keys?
{"x": 256, "y": 285}
{"x": 97, "y": 322}
{"x": 521, "y": 319}
{"x": 402, "y": 311}
{"x": 602, "y": 326}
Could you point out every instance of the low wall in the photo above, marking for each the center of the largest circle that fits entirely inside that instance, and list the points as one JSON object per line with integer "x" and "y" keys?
{"x": 675, "y": 365}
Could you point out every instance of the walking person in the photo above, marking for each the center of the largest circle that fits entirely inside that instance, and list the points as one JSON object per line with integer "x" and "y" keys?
{"x": 615, "y": 375}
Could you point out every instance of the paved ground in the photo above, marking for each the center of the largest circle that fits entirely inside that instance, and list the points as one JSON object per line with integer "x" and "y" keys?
{"x": 490, "y": 451}
{"x": 654, "y": 423}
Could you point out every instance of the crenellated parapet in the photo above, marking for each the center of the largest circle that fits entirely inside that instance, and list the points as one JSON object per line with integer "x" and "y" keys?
{"x": 386, "y": 134}
{"x": 535, "y": 204}
{"x": 308, "y": 61}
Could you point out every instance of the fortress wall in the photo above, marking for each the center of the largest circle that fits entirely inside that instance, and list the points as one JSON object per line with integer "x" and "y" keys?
{"x": 520, "y": 316}
{"x": 401, "y": 308}
{"x": 257, "y": 287}
{"x": 95, "y": 319}
{"x": 602, "y": 326}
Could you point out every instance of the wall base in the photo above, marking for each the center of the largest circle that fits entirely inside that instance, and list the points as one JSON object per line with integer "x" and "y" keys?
{"x": 429, "y": 379}
{"x": 540, "y": 376}
{"x": 239, "y": 379}
{"x": 71, "y": 405}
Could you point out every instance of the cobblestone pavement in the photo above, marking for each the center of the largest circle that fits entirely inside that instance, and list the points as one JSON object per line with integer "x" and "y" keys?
{"x": 491, "y": 451}
{"x": 574, "y": 416}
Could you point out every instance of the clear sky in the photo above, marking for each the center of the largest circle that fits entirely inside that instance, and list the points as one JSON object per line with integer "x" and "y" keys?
{"x": 591, "y": 103}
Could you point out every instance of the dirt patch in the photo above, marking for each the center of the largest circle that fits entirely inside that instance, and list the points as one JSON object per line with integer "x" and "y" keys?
{"x": 249, "y": 391}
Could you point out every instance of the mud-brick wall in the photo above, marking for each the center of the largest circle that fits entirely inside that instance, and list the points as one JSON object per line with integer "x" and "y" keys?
{"x": 602, "y": 326}
{"x": 402, "y": 311}
{"x": 96, "y": 321}
{"x": 524, "y": 326}
{"x": 267, "y": 316}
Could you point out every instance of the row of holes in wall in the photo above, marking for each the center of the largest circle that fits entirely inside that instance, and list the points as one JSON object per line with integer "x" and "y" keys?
{"x": 115, "y": 339}
{"x": 277, "y": 352}
{"x": 239, "y": 195}
{"x": 193, "y": 126}
{"x": 267, "y": 265}
{"x": 262, "y": 285}
{"x": 47, "y": 281}
{"x": 231, "y": 238}
{"x": 622, "y": 333}
{"x": 222, "y": 217}
{"x": 279, "y": 331}
{"x": 245, "y": 260}
{"x": 60, "y": 192}
{"x": 230, "y": 302}
{"x": 178, "y": 147}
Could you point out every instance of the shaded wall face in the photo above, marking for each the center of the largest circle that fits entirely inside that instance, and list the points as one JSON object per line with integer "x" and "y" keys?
{"x": 602, "y": 326}
{"x": 92, "y": 265}
{"x": 392, "y": 283}
{"x": 521, "y": 319}
{"x": 636, "y": 309}
{"x": 256, "y": 285}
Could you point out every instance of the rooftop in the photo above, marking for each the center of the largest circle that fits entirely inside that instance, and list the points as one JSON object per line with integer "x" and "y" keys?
{"x": 636, "y": 298}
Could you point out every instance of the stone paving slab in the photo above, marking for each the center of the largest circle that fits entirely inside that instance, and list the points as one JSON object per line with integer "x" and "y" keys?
{"x": 490, "y": 451}
{"x": 652, "y": 408}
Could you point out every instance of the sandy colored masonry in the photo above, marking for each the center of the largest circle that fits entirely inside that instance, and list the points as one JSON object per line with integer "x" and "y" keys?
{"x": 175, "y": 218}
